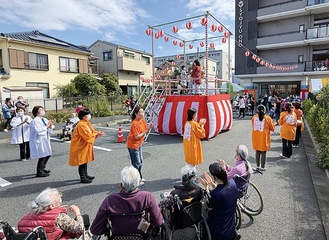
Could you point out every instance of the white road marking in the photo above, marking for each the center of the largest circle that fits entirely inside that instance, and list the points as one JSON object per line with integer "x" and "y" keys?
{"x": 4, "y": 183}
{"x": 124, "y": 130}
{"x": 104, "y": 149}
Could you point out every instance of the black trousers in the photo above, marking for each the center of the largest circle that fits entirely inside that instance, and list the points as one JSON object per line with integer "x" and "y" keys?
{"x": 7, "y": 123}
{"x": 298, "y": 135}
{"x": 42, "y": 162}
{"x": 286, "y": 148}
{"x": 24, "y": 150}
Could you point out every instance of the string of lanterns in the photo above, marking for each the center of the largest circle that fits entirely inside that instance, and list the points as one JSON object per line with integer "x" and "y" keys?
{"x": 189, "y": 26}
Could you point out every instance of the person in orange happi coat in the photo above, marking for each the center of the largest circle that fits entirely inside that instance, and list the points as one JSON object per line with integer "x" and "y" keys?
{"x": 82, "y": 142}
{"x": 300, "y": 123}
{"x": 262, "y": 126}
{"x": 288, "y": 122}
{"x": 193, "y": 133}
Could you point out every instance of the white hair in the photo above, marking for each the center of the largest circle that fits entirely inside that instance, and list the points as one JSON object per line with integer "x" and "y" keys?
{"x": 242, "y": 150}
{"x": 130, "y": 178}
{"x": 44, "y": 200}
{"x": 188, "y": 169}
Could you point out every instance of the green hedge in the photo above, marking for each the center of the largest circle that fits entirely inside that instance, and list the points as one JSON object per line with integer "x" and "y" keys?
{"x": 317, "y": 115}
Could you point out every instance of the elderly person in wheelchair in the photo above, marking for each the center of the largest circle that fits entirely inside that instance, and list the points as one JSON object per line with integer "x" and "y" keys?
{"x": 47, "y": 211}
{"x": 130, "y": 212}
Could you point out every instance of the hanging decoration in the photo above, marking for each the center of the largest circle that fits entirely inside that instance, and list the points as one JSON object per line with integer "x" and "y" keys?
{"x": 204, "y": 21}
{"x": 177, "y": 56}
{"x": 189, "y": 25}
{"x": 181, "y": 44}
{"x": 148, "y": 32}
{"x": 174, "y": 42}
{"x": 166, "y": 38}
{"x": 226, "y": 34}
{"x": 212, "y": 45}
{"x": 247, "y": 53}
{"x": 172, "y": 63}
{"x": 213, "y": 28}
{"x": 190, "y": 46}
{"x": 157, "y": 35}
{"x": 220, "y": 28}
{"x": 201, "y": 44}
{"x": 254, "y": 57}
{"x": 161, "y": 33}
{"x": 223, "y": 40}
{"x": 174, "y": 29}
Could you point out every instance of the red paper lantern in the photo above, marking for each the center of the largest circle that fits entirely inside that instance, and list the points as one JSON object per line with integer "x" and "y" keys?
{"x": 223, "y": 40}
{"x": 212, "y": 45}
{"x": 190, "y": 46}
{"x": 254, "y": 57}
{"x": 161, "y": 33}
{"x": 148, "y": 32}
{"x": 262, "y": 62}
{"x": 166, "y": 38}
{"x": 220, "y": 28}
{"x": 157, "y": 35}
{"x": 174, "y": 42}
{"x": 226, "y": 34}
{"x": 174, "y": 29}
{"x": 213, "y": 28}
{"x": 266, "y": 64}
{"x": 204, "y": 21}
{"x": 247, "y": 53}
{"x": 188, "y": 25}
{"x": 166, "y": 69}
{"x": 258, "y": 60}
{"x": 177, "y": 56}
{"x": 181, "y": 44}
{"x": 172, "y": 63}
{"x": 201, "y": 44}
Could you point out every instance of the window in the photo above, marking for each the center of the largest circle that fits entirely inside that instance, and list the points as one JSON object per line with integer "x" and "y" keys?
{"x": 301, "y": 28}
{"x": 36, "y": 61}
{"x": 107, "y": 56}
{"x": 300, "y": 59}
{"x": 68, "y": 64}
{"x": 146, "y": 59}
{"x": 213, "y": 69}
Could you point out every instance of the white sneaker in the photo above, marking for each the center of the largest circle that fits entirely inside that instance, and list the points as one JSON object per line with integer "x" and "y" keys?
{"x": 23, "y": 160}
{"x": 5, "y": 130}
{"x": 281, "y": 155}
{"x": 143, "y": 180}
{"x": 141, "y": 184}
{"x": 262, "y": 169}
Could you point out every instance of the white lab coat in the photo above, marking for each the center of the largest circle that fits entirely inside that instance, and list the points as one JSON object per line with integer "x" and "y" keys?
{"x": 20, "y": 133}
{"x": 40, "y": 138}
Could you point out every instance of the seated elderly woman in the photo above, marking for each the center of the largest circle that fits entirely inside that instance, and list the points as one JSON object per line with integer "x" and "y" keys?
{"x": 242, "y": 166}
{"x": 120, "y": 207}
{"x": 222, "y": 204}
{"x": 47, "y": 211}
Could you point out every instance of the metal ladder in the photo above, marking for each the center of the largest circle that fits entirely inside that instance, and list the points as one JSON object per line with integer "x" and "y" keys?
{"x": 154, "y": 103}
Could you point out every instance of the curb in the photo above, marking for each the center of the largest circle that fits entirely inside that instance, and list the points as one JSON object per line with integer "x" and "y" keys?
{"x": 319, "y": 177}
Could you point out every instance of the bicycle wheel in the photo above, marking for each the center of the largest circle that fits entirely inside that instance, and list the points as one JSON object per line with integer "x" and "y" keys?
{"x": 238, "y": 218}
{"x": 252, "y": 202}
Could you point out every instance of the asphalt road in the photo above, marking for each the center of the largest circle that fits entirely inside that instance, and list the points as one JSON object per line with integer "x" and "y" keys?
{"x": 290, "y": 206}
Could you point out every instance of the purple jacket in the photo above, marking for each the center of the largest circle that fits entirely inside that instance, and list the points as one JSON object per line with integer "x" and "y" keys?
{"x": 122, "y": 202}
{"x": 239, "y": 169}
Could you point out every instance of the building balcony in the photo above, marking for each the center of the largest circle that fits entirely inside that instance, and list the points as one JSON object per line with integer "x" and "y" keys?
{"x": 133, "y": 64}
{"x": 317, "y": 66}
{"x": 282, "y": 39}
{"x": 287, "y": 9}
{"x": 4, "y": 74}
{"x": 319, "y": 33}
{"x": 316, "y": 2}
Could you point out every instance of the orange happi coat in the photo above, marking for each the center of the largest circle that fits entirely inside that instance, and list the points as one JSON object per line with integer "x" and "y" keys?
{"x": 193, "y": 132}
{"x": 288, "y": 122}
{"x": 82, "y": 142}
{"x": 261, "y": 133}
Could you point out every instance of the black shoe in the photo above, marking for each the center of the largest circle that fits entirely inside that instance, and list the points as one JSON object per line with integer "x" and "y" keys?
{"x": 46, "y": 171}
{"x": 90, "y": 177}
{"x": 42, "y": 174}
{"x": 85, "y": 180}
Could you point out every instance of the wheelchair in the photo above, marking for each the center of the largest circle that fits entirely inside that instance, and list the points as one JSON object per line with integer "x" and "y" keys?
{"x": 37, "y": 233}
{"x": 181, "y": 215}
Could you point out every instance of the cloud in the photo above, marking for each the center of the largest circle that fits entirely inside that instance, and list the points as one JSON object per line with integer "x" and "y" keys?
{"x": 102, "y": 16}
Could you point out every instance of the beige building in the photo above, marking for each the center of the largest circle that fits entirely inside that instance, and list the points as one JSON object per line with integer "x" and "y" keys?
{"x": 132, "y": 67}
{"x": 33, "y": 62}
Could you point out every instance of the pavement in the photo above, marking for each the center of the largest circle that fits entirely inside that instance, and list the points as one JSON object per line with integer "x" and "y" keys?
{"x": 319, "y": 177}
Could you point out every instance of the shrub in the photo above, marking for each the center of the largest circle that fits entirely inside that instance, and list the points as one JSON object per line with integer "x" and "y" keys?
{"x": 99, "y": 107}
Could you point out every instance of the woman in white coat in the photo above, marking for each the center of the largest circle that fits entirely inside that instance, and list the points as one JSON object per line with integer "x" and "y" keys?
{"x": 21, "y": 132}
{"x": 40, "y": 129}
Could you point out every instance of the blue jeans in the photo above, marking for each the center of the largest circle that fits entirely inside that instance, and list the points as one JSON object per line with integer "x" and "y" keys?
{"x": 136, "y": 156}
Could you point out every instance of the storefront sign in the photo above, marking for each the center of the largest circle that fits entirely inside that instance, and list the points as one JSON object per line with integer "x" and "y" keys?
{"x": 240, "y": 28}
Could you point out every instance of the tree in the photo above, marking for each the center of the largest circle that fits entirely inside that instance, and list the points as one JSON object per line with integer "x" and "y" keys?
{"x": 86, "y": 85}
{"x": 111, "y": 83}
{"x": 67, "y": 91}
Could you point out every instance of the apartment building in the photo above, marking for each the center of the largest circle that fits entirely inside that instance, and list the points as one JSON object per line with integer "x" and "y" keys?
{"x": 217, "y": 60}
{"x": 288, "y": 42}
{"x": 133, "y": 67}
{"x": 32, "y": 64}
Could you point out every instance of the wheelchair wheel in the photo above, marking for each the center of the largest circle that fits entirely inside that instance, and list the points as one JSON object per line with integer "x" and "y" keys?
{"x": 204, "y": 230}
{"x": 165, "y": 232}
{"x": 238, "y": 217}
{"x": 252, "y": 202}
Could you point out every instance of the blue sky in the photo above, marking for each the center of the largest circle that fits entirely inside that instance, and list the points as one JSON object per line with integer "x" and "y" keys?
{"x": 123, "y": 22}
